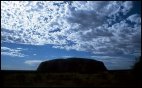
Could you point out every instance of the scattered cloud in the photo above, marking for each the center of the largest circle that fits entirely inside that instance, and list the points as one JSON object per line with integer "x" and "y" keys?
{"x": 127, "y": 7}
{"x": 12, "y": 52}
{"x": 93, "y": 26}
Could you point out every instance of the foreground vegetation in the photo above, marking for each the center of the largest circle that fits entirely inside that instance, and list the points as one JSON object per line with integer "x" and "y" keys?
{"x": 121, "y": 78}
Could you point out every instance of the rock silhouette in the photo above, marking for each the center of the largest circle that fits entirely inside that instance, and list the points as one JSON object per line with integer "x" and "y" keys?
{"x": 137, "y": 70}
{"x": 79, "y": 65}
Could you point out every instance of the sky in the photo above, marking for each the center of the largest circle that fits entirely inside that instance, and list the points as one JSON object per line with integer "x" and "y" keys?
{"x": 37, "y": 31}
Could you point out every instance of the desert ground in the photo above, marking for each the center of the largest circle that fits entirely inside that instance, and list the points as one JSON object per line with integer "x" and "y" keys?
{"x": 111, "y": 78}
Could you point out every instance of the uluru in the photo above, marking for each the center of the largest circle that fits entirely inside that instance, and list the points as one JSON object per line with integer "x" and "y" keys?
{"x": 72, "y": 65}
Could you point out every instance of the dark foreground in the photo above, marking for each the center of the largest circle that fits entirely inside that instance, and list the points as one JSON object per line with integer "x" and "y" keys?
{"x": 119, "y": 78}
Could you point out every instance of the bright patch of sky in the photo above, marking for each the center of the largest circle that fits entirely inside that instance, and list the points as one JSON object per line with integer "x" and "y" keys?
{"x": 35, "y": 31}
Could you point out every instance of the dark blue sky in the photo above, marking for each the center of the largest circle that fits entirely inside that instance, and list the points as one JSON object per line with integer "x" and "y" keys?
{"x": 32, "y": 32}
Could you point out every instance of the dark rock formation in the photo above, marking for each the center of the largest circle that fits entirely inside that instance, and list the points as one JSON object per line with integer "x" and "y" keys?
{"x": 137, "y": 70}
{"x": 79, "y": 65}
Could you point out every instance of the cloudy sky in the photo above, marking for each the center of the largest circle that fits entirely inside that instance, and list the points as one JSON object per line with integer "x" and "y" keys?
{"x": 35, "y": 31}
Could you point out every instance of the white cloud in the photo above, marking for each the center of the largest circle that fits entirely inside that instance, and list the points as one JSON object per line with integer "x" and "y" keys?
{"x": 90, "y": 26}
{"x": 34, "y": 54}
{"x": 33, "y": 62}
{"x": 12, "y": 52}
{"x": 99, "y": 7}
{"x": 66, "y": 56}
{"x": 127, "y": 6}
{"x": 134, "y": 18}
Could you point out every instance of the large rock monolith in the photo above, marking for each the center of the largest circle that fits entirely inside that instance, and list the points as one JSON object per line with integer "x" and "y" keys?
{"x": 72, "y": 65}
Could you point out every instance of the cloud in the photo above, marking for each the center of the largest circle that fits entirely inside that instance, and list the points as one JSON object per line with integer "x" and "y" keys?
{"x": 66, "y": 56}
{"x": 12, "y": 52}
{"x": 34, "y": 54}
{"x": 33, "y": 62}
{"x": 134, "y": 18}
{"x": 94, "y": 26}
{"x": 127, "y": 6}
